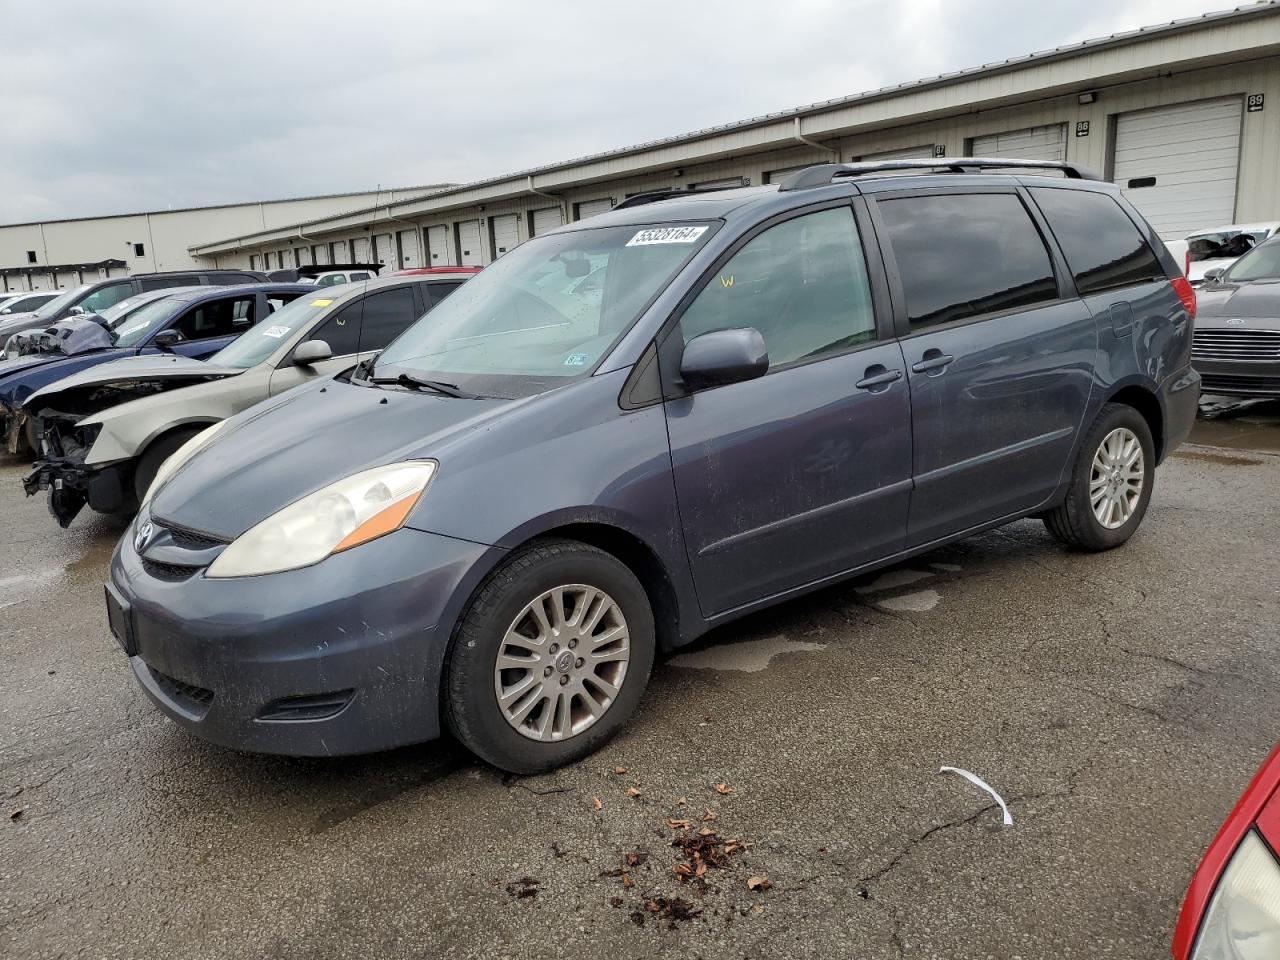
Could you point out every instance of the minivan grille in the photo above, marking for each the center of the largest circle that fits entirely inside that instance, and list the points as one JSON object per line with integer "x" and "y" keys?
{"x": 1235, "y": 345}
{"x": 188, "y": 696}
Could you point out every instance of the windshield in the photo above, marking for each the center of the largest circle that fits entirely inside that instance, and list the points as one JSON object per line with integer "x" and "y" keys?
{"x": 117, "y": 313}
{"x": 255, "y": 345}
{"x": 57, "y": 303}
{"x": 1262, "y": 263}
{"x": 546, "y": 312}
{"x": 144, "y": 321}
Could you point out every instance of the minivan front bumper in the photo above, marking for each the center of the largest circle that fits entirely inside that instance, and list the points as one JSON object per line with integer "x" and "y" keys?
{"x": 339, "y": 658}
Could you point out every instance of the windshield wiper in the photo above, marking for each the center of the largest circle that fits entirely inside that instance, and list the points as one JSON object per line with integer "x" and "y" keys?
{"x": 418, "y": 383}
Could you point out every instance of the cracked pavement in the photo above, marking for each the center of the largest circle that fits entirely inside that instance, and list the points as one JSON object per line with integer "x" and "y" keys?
{"x": 1118, "y": 702}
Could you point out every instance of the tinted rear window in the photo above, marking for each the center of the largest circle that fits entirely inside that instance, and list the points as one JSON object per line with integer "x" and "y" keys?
{"x": 1103, "y": 247}
{"x": 965, "y": 255}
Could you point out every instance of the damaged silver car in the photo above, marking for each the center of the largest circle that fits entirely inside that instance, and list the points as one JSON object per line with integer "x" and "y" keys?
{"x": 106, "y": 431}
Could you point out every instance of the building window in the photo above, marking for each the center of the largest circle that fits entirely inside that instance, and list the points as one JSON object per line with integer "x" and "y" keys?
{"x": 139, "y": 250}
{"x": 31, "y": 256}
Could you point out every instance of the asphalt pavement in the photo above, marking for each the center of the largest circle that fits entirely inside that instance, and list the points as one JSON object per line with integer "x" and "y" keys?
{"x": 1119, "y": 703}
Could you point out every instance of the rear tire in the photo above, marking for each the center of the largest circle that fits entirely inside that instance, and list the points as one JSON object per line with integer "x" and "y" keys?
{"x": 1111, "y": 482}
{"x": 567, "y": 681}
{"x": 155, "y": 455}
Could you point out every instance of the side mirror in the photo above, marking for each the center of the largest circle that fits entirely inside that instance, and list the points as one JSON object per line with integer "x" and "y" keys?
{"x": 1214, "y": 273}
{"x": 313, "y": 351}
{"x": 76, "y": 310}
{"x": 723, "y": 356}
{"x": 166, "y": 339}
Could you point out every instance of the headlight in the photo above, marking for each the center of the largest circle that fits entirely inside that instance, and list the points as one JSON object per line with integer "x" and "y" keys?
{"x": 1243, "y": 919}
{"x": 345, "y": 514}
{"x": 179, "y": 457}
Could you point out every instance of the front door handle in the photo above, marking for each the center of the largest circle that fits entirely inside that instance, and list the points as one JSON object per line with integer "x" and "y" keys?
{"x": 877, "y": 376}
{"x": 933, "y": 359}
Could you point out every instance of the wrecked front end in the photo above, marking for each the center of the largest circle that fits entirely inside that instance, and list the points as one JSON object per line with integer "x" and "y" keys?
{"x": 62, "y": 471}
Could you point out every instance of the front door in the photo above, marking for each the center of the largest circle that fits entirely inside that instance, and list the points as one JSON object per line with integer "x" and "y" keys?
{"x": 805, "y": 472}
{"x": 999, "y": 351}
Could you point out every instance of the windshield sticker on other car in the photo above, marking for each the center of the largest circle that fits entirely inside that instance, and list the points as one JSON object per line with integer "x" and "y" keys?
{"x": 321, "y": 302}
{"x": 131, "y": 328}
{"x": 652, "y": 235}
{"x": 576, "y": 360}
{"x": 276, "y": 331}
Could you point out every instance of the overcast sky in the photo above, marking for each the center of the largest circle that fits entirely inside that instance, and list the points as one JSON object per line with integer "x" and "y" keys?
{"x": 119, "y": 107}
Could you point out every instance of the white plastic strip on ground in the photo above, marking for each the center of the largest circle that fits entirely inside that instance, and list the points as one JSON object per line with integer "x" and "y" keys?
{"x": 977, "y": 781}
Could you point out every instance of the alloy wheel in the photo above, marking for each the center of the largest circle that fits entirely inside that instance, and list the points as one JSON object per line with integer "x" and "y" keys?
{"x": 562, "y": 662}
{"x": 1116, "y": 478}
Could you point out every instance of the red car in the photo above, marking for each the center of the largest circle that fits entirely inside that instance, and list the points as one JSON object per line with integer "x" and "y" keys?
{"x": 1232, "y": 908}
{"x": 419, "y": 271}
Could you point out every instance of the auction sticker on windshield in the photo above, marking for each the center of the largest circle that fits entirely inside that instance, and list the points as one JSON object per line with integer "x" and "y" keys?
{"x": 321, "y": 303}
{"x": 275, "y": 330}
{"x": 654, "y": 235}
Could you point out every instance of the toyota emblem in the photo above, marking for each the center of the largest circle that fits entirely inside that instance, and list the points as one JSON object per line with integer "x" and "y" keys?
{"x": 142, "y": 535}
{"x": 1235, "y": 322}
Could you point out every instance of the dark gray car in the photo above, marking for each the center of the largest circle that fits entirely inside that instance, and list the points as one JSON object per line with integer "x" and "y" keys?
{"x": 1237, "y": 340}
{"x": 498, "y": 524}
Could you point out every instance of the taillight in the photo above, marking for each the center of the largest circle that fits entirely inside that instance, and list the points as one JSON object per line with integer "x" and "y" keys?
{"x": 1186, "y": 293}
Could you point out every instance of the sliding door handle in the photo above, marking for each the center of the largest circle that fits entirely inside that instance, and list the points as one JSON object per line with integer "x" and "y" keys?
{"x": 932, "y": 360}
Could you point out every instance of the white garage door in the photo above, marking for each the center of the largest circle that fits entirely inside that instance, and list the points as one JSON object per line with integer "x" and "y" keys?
{"x": 68, "y": 278}
{"x": 303, "y": 255}
{"x": 319, "y": 254}
{"x": 1032, "y": 143}
{"x": 384, "y": 253}
{"x": 506, "y": 233}
{"x": 469, "y": 243}
{"x": 924, "y": 152}
{"x": 547, "y": 219}
{"x": 338, "y": 251}
{"x": 438, "y": 245}
{"x": 591, "y": 208}
{"x": 360, "y": 250}
{"x": 777, "y": 176}
{"x": 726, "y": 183}
{"x": 407, "y": 241}
{"x": 1177, "y": 164}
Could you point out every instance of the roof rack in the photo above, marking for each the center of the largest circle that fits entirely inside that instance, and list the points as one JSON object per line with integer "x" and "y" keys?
{"x": 653, "y": 196}
{"x": 822, "y": 174}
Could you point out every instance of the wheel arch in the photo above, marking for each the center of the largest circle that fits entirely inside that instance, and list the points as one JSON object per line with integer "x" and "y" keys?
{"x": 1144, "y": 399}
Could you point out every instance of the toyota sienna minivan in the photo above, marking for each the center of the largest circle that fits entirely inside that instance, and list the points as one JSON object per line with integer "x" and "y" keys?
{"x": 495, "y": 526}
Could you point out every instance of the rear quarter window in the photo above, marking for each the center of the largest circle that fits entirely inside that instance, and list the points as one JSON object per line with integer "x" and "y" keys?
{"x": 963, "y": 255}
{"x": 1104, "y": 248}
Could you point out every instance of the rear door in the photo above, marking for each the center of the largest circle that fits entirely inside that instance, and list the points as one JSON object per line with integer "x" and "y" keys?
{"x": 1000, "y": 353}
{"x": 805, "y": 472}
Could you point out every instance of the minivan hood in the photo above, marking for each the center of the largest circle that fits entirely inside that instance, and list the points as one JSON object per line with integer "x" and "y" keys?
{"x": 283, "y": 450}
{"x": 1257, "y": 298}
{"x": 154, "y": 368}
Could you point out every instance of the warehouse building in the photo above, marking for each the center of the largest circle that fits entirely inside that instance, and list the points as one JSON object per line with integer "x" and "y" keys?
{"x": 65, "y": 253}
{"x": 1185, "y": 116}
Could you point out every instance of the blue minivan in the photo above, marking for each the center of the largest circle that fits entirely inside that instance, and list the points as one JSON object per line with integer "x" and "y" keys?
{"x": 638, "y": 427}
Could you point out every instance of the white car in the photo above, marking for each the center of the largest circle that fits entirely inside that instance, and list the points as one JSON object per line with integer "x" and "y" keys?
{"x": 331, "y": 277}
{"x": 25, "y": 302}
{"x": 1218, "y": 247}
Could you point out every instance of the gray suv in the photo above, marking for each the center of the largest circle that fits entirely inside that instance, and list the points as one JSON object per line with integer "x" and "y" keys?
{"x": 495, "y": 526}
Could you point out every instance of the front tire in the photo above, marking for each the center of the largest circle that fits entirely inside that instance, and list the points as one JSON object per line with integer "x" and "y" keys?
{"x": 550, "y": 658}
{"x": 1111, "y": 482}
{"x": 154, "y": 457}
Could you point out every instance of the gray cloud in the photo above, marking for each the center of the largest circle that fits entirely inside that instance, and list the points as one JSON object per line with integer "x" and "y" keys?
{"x": 121, "y": 107}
